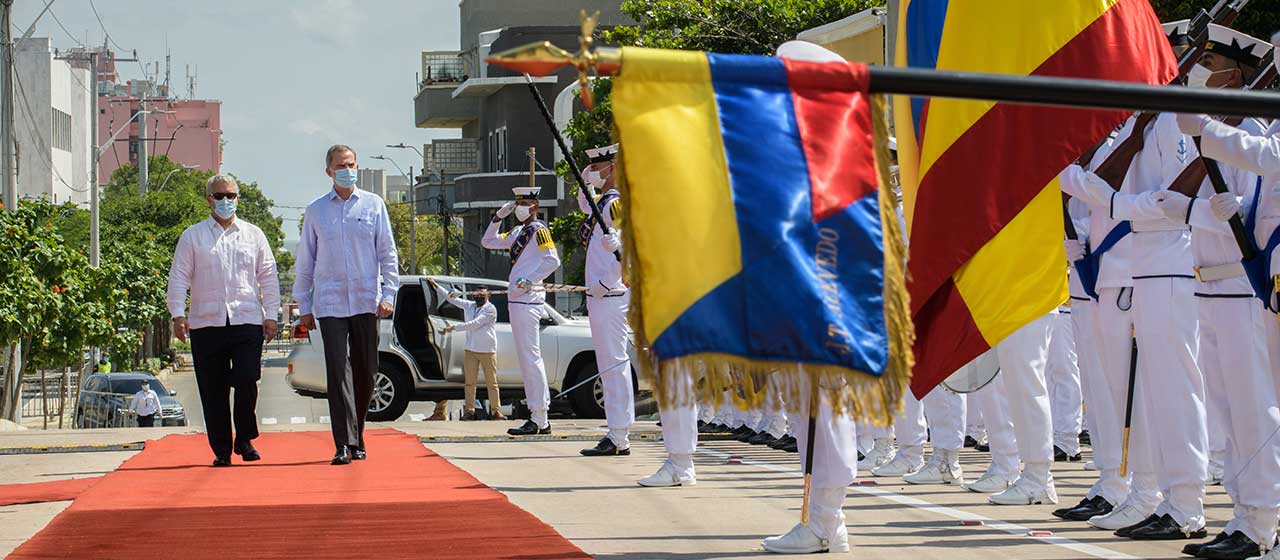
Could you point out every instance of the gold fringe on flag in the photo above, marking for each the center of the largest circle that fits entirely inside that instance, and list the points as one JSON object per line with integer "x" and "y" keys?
{"x": 717, "y": 379}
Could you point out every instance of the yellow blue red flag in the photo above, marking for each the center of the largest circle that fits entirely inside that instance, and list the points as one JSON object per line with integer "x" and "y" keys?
{"x": 979, "y": 179}
{"x": 756, "y": 227}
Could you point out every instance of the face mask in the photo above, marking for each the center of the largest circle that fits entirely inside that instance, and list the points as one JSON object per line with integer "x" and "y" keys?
{"x": 225, "y": 208}
{"x": 1199, "y": 76}
{"x": 594, "y": 178}
{"x": 345, "y": 178}
{"x": 522, "y": 213}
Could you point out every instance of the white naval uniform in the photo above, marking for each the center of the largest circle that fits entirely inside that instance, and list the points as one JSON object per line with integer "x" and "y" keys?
{"x": 1236, "y": 356}
{"x": 773, "y": 415}
{"x": 1169, "y": 394}
{"x": 835, "y": 463}
{"x": 944, "y": 411}
{"x": 911, "y": 430}
{"x": 526, "y": 311}
{"x": 607, "y": 302}
{"x": 1062, "y": 374}
{"x": 1016, "y": 412}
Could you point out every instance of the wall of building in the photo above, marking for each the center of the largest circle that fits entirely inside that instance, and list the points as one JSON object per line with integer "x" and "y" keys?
{"x": 52, "y": 152}
{"x": 190, "y": 136}
{"x": 477, "y": 16}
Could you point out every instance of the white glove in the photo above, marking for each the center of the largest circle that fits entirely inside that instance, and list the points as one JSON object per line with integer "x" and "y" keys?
{"x": 1075, "y": 249}
{"x": 1224, "y": 206}
{"x": 1173, "y": 204}
{"x": 506, "y": 209}
{"x": 612, "y": 241}
{"x": 1191, "y": 124}
{"x": 521, "y": 284}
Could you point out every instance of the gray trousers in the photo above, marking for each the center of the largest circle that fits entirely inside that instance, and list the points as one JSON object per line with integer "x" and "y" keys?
{"x": 349, "y": 373}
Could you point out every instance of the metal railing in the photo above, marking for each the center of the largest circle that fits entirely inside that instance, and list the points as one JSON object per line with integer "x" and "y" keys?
{"x": 96, "y": 409}
{"x": 49, "y": 396}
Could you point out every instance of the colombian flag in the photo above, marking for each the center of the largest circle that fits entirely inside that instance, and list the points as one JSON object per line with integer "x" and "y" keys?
{"x": 980, "y": 193}
{"x": 754, "y": 228}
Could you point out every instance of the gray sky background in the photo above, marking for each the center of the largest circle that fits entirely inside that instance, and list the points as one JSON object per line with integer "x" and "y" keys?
{"x": 294, "y": 76}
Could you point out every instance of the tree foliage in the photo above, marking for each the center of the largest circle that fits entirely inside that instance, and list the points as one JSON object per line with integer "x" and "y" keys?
{"x": 429, "y": 252}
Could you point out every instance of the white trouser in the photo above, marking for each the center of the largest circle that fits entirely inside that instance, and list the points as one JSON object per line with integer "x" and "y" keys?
{"x": 706, "y": 411}
{"x": 526, "y": 322}
{"x": 1062, "y": 375}
{"x": 1236, "y": 366}
{"x": 1087, "y": 362}
{"x": 1099, "y": 400}
{"x": 773, "y": 417}
{"x": 994, "y": 402}
{"x": 608, "y": 317}
{"x": 910, "y": 428}
{"x": 835, "y": 463}
{"x": 945, "y": 411}
{"x": 1170, "y": 389}
{"x": 973, "y": 425}
{"x": 680, "y": 428}
{"x": 1022, "y": 361}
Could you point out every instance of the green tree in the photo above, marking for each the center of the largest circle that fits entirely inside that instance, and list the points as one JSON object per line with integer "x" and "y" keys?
{"x": 1260, "y": 18}
{"x": 429, "y": 252}
{"x": 727, "y": 26}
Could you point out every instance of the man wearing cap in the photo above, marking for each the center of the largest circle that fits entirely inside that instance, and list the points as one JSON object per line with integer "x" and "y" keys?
{"x": 533, "y": 258}
{"x": 347, "y": 277}
{"x": 230, "y": 270}
{"x": 1233, "y": 322}
{"x": 480, "y": 319}
{"x": 607, "y": 300}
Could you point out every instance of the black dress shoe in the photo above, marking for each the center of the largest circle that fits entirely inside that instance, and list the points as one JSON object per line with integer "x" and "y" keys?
{"x": 1166, "y": 529}
{"x": 1126, "y": 531}
{"x": 358, "y": 454}
{"x": 1084, "y": 438}
{"x": 222, "y": 461}
{"x": 342, "y": 457}
{"x": 1061, "y": 513}
{"x": 983, "y": 447}
{"x": 737, "y": 432}
{"x": 1060, "y": 456}
{"x": 604, "y": 449}
{"x": 702, "y": 426}
{"x": 792, "y": 447}
{"x": 1084, "y": 512}
{"x": 969, "y": 441}
{"x": 762, "y": 438}
{"x": 1193, "y": 549}
{"x": 782, "y": 442}
{"x": 861, "y": 457}
{"x": 1236, "y": 546}
{"x": 529, "y": 429}
{"x": 746, "y": 435}
{"x": 247, "y": 452}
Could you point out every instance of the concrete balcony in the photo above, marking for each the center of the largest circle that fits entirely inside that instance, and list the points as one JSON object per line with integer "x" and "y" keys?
{"x": 492, "y": 190}
{"x": 436, "y": 107}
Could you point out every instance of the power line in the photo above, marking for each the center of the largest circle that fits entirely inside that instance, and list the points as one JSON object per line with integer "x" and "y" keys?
{"x": 64, "y": 29}
{"x": 145, "y": 74}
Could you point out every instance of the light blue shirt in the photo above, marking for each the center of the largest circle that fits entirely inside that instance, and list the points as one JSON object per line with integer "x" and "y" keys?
{"x": 346, "y": 257}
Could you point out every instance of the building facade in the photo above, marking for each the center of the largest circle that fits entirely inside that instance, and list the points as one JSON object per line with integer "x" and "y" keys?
{"x": 497, "y": 117}
{"x": 52, "y": 131}
{"x": 189, "y": 134}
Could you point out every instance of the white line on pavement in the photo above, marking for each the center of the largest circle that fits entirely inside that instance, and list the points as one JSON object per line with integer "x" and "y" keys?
{"x": 417, "y": 417}
{"x": 324, "y": 419}
{"x": 269, "y": 421}
{"x": 1011, "y": 528}
{"x": 298, "y": 420}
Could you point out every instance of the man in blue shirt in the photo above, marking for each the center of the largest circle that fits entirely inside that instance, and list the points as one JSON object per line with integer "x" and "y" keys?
{"x": 346, "y": 280}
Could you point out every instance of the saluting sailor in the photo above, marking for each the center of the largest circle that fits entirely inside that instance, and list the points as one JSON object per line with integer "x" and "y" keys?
{"x": 533, "y": 258}
{"x": 607, "y": 302}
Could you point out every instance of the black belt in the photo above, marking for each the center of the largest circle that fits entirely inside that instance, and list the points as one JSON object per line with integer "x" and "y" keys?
{"x": 1224, "y": 296}
{"x": 1078, "y": 298}
{"x": 1188, "y": 276}
{"x": 525, "y": 302}
{"x": 607, "y": 295}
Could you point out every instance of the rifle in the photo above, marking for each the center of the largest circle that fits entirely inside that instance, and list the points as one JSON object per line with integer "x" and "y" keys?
{"x": 1188, "y": 182}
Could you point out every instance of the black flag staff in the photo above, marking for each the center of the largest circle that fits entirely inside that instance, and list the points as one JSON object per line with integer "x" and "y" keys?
{"x": 543, "y": 58}
{"x": 1128, "y": 406}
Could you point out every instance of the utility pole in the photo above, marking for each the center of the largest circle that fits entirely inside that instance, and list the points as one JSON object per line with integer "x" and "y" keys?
{"x": 413, "y": 223}
{"x": 441, "y": 201}
{"x": 8, "y": 169}
{"x": 142, "y": 144}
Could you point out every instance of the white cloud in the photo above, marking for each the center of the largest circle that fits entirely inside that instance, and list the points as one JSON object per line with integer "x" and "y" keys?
{"x": 333, "y": 20}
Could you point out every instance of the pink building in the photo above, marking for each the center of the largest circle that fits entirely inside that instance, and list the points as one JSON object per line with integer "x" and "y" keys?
{"x": 192, "y": 135}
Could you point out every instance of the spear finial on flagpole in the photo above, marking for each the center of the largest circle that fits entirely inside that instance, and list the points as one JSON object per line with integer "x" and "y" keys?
{"x": 544, "y": 57}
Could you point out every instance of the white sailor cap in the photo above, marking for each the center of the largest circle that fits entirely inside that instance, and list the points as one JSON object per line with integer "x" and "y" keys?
{"x": 603, "y": 153}
{"x": 1176, "y": 31}
{"x": 804, "y": 50}
{"x": 526, "y": 192}
{"x": 1235, "y": 45}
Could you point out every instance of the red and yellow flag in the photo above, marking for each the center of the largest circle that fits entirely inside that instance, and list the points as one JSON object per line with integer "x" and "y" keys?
{"x": 979, "y": 179}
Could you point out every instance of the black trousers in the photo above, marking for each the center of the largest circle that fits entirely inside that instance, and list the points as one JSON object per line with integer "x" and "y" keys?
{"x": 148, "y": 421}
{"x": 349, "y": 374}
{"x": 228, "y": 357}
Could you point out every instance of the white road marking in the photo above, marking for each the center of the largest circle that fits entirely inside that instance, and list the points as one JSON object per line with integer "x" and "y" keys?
{"x": 298, "y": 420}
{"x": 417, "y": 417}
{"x": 269, "y": 421}
{"x": 324, "y": 419}
{"x": 1011, "y": 528}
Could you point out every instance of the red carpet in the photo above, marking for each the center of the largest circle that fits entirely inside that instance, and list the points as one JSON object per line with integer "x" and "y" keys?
{"x": 403, "y": 502}
{"x": 39, "y": 492}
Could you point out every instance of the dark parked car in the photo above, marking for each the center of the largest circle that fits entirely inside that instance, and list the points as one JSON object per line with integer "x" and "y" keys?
{"x": 105, "y": 397}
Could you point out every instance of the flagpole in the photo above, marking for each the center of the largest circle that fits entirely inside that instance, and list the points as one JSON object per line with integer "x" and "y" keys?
{"x": 808, "y": 451}
{"x": 1128, "y": 409}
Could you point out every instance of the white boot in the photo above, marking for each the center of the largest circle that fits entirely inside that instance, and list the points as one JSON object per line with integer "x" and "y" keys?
{"x": 881, "y": 452}
{"x": 668, "y": 475}
{"x": 1124, "y": 516}
{"x": 990, "y": 483}
{"x": 1023, "y": 495}
{"x": 942, "y": 468}
{"x": 801, "y": 539}
{"x": 1216, "y": 471}
{"x": 899, "y": 466}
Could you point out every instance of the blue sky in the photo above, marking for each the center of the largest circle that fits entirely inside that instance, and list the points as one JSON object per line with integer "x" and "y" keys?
{"x": 294, "y": 76}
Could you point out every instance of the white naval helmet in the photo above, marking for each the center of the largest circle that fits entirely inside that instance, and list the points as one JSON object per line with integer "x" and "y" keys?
{"x": 1247, "y": 52}
{"x": 804, "y": 50}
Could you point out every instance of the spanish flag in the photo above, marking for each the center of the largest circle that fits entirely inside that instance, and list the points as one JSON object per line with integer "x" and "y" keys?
{"x": 980, "y": 194}
{"x": 758, "y": 236}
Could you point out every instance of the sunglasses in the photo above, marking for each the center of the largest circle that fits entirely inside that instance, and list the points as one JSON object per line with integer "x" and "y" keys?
{"x": 222, "y": 195}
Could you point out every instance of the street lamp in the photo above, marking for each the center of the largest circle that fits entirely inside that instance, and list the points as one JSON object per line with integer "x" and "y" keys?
{"x": 444, "y": 212}
{"x": 170, "y": 174}
{"x": 413, "y": 215}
